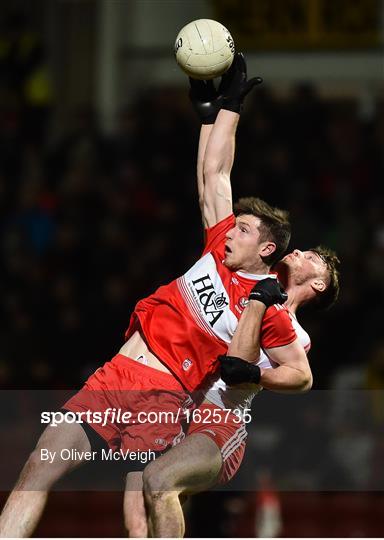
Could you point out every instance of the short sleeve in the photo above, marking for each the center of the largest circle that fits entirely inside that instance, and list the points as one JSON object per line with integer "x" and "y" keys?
{"x": 277, "y": 329}
{"x": 215, "y": 236}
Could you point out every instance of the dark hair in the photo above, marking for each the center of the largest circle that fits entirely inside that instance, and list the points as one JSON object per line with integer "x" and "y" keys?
{"x": 327, "y": 298}
{"x": 274, "y": 224}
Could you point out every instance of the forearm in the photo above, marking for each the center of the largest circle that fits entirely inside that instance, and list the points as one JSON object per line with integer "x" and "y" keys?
{"x": 220, "y": 150}
{"x": 217, "y": 165}
{"x": 205, "y": 132}
{"x": 245, "y": 343}
{"x": 286, "y": 379}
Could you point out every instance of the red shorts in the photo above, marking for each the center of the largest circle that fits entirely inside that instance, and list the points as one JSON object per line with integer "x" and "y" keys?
{"x": 153, "y": 403}
{"x": 228, "y": 433}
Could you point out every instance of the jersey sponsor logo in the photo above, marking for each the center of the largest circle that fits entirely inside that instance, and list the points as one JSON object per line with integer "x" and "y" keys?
{"x": 206, "y": 289}
{"x": 213, "y": 303}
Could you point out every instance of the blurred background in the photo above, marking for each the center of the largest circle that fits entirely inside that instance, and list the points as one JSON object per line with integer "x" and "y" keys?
{"x": 99, "y": 207}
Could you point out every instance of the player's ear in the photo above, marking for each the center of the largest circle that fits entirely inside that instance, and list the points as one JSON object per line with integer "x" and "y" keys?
{"x": 267, "y": 248}
{"x": 318, "y": 285}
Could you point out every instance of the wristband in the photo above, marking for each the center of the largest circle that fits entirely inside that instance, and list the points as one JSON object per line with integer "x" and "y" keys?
{"x": 235, "y": 370}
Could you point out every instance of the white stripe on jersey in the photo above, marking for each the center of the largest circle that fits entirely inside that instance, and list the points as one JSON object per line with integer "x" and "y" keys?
{"x": 189, "y": 300}
{"x": 234, "y": 442}
{"x": 207, "y": 299}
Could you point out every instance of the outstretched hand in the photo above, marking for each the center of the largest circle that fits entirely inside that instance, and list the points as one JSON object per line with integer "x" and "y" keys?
{"x": 234, "y": 86}
{"x": 205, "y": 100}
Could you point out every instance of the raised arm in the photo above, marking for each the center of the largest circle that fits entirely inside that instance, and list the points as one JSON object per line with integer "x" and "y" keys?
{"x": 205, "y": 132}
{"x": 204, "y": 98}
{"x": 217, "y": 165}
{"x": 217, "y": 143}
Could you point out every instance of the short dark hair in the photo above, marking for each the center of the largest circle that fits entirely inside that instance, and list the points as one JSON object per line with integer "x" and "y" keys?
{"x": 274, "y": 224}
{"x": 327, "y": 298}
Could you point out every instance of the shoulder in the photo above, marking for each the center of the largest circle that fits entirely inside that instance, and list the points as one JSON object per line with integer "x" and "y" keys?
{"x": 215, "y": 235}
{"x": 277, "y": 311}
{"x": 277, "y": 328}
{"x": 225, "y": 223}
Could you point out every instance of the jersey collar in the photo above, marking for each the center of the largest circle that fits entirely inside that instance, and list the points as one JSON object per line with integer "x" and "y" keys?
{"x": 255, "y": 277}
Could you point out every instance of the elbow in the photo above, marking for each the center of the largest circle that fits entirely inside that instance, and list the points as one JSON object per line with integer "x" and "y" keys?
{"x": 211, "y": 168}
{"x": 306, "y": 381}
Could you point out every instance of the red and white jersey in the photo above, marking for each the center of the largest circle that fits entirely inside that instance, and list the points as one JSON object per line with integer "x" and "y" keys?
{"x": 227, "y": 397}
{"x": 190, "y": 321}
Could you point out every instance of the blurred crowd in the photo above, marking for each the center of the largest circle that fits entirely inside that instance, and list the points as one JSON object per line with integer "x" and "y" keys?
{"x": 92, "y": 222}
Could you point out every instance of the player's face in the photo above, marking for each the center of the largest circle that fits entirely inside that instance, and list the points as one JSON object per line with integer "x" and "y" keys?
{"x": 303, "y": 266}
{"x": 243, "y": 247}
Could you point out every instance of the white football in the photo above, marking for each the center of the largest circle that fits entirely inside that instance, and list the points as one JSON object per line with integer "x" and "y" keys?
{"x": 204, "y": 49}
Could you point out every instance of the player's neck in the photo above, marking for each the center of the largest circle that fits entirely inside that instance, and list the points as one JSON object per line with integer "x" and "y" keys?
{"x": 255, "y": 269}
{"x": 297, "y": 296}
{"x": 291, "y": 304}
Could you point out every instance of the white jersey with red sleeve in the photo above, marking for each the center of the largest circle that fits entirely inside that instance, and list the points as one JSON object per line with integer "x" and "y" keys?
{"x": 190, "y": 321}
{"x": 227, "y": 397}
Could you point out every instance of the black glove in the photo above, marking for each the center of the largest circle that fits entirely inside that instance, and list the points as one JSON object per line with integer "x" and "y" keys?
{"x": 269, "y": 292}
{"x": 205, "y": 99}
{"x": 234, "y": 370}
{"x": 235, "y": 85}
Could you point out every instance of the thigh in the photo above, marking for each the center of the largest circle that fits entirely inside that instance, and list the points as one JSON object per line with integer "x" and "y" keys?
{"x": 190, "y": 467}
{"x": 228, "y": 432}
{"x": 64, "y": 436}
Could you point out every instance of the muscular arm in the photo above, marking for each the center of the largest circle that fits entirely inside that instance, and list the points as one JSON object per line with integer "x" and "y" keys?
{"x": 293, "y": 373}
{"x": 217, "y": 165}
{"x": 205, "y": 132}
{"x": 246, "y": 341}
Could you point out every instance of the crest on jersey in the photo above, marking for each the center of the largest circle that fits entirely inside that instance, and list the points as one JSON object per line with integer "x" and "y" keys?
{"x": 187, "y": 364}
{"x": 243, "y": 301}
{"x": 161, "y": 442}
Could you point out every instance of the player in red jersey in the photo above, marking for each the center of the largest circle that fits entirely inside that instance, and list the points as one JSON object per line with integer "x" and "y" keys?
{"x": 214, "y": 448}
{"x": 213, "y": 451}
{"x": 173, "y": 342}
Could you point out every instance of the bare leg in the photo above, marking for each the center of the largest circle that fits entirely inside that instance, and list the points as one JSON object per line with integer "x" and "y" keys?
{"x": 192, "y": 466}
{"x": 26, "y": 502}
{"x": 135, "y": 517}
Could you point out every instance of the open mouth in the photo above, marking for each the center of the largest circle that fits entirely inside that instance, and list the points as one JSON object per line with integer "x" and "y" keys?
{"x": 227, "y": 250}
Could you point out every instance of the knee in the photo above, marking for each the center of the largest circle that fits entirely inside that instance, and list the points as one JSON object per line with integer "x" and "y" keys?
{"x": 136, "y": 527}
{"x": 158, "y": 484}
{"x": 157, "y": 479}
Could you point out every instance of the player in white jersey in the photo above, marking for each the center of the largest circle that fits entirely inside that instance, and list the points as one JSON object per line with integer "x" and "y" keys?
{"x": 212, "y": 453}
